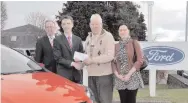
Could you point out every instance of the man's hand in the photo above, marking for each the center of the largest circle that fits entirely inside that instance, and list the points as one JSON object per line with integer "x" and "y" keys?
{"x": 41, "y": 64}
{"x": 77, "y": 60}
{"x": 88, "y": 61}
{"x": 77, "y": 65}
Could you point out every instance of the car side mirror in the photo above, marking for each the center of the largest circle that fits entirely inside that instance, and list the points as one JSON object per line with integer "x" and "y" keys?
{"x": 28, "y": 53}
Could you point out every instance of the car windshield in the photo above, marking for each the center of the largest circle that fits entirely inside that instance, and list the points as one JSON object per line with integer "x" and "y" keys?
{"x": 15, "y": 62}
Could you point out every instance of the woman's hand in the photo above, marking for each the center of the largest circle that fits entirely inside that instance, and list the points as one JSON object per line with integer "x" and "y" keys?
{"x": 126, "y": 77}
{"x": 121, "y": 77}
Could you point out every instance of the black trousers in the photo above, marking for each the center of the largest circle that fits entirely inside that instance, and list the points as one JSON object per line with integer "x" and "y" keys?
{"x": 128, "y": 96}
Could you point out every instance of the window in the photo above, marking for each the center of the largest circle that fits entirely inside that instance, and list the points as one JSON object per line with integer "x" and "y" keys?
{"x": 13, "y": 38}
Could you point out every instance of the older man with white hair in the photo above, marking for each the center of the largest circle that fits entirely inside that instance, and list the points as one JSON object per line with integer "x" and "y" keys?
{"x": 100, "y": 46}
{"x": 44, "y": 46}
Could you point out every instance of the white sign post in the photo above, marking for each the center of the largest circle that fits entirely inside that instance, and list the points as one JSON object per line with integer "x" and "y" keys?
{"x": 152, "y": 72}
{"x": 85, "y": 76}
{"x": 152, "y": 82}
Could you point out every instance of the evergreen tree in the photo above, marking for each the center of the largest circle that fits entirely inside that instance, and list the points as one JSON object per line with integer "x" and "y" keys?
{"x": 113, "y": 13}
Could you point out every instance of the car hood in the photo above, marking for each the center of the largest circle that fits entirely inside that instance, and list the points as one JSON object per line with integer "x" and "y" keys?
{"x": 43, "y": 87}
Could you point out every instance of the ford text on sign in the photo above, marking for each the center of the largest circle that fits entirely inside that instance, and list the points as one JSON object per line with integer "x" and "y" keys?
{"x": 163, "y": 55}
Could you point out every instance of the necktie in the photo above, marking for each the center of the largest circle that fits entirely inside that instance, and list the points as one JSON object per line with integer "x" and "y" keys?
{"x": 69, "y": 41}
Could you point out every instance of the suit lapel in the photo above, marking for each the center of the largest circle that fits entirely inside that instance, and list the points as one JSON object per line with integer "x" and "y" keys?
{"x": 65, "y": 41}
{"x": 47, "y": 41}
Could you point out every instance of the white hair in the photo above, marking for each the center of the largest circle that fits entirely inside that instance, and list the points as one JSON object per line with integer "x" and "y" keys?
{"x": 94, "y": 16}
{"x": 49, "y": 20}
{"x": 53, "y": 21}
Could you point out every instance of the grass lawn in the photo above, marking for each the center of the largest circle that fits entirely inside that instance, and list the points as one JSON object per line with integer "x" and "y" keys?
{"x": 162, "y": 94}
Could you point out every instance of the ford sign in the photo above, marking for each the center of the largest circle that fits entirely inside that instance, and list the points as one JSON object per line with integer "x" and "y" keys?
{"x": 163, "y": 55}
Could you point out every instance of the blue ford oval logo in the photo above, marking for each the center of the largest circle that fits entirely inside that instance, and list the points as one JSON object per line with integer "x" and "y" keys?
{"x": 163, "y": 55}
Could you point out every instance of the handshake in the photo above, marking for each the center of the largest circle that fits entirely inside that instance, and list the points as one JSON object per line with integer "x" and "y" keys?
{"x": 80, "y": 60}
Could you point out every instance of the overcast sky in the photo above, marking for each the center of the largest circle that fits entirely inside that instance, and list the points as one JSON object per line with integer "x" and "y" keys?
{"x": 18, "y": 10}
{"x": 168, "y": 19}
{"x": 168, "y": 16}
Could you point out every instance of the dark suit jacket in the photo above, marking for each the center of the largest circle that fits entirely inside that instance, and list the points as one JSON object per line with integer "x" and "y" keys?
{"x": 63, "y": 55}
{"x": 44, "y": 53}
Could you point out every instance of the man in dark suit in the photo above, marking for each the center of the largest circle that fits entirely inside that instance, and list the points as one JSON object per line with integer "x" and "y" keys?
{"x": 64, "y": 47}
{"x": 44, "y": 47}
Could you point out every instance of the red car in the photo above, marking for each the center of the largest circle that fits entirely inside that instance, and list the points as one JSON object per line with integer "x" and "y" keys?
{"x": 24, "y": 81}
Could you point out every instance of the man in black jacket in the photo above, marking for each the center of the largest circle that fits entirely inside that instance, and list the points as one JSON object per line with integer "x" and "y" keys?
{"x": 44, "y": 47}
{"x": 64, "y": 47}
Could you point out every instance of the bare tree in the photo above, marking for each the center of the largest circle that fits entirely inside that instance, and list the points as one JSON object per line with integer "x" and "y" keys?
{"x": 3, "y": 14}
{"x": 36, "y": 19}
